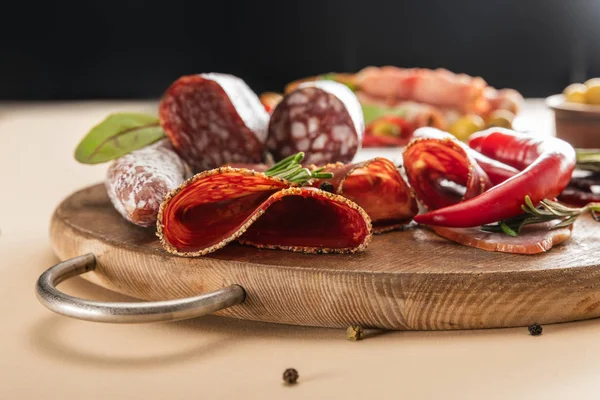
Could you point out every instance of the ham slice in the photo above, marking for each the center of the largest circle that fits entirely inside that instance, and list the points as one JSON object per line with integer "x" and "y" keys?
{"x": 532, "y": 239}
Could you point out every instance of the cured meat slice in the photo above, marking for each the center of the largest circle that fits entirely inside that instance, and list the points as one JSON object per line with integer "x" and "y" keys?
{"x": 532, "y": 239}
{"x": 438, "y": 87}
{"x": 584, "y": 188}
{"x": 441, "y": 170}
{"x": 377, "y": 187}
{"x": 323, "y": 119}
{"x": 138, "y": 182}
{"x": 497, "y": 171}
{"x": 213, "y": 119}
{"x": 216, "y": 207}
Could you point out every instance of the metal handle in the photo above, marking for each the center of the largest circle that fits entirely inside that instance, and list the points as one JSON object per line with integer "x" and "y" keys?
{"x": 121, "y": 312}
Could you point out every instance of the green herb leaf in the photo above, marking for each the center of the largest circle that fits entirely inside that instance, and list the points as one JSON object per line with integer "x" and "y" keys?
{"x": 118, "y": 135}
{"x": 371, "y": 112}
{"x": 547, "y": 211}
{"x": 507, "y": 229}
{"x": 290, "y": 168}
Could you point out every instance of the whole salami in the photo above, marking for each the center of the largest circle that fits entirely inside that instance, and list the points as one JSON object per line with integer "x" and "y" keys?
{"x": 138, "y": 182}
{"x": 323, "y": 119}
{"x": 213, "y": 119}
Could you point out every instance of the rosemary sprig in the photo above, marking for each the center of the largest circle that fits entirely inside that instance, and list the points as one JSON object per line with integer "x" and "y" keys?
{"x": 547, "y": 211}
{"x": 290, "y": 168}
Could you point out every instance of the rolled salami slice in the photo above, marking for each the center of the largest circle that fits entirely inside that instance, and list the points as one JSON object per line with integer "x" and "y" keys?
{"x": 216, "y": 207}
{"x": 441, "y": 170}
{"x": 376, "y": 186}
{"x": 138, "y": 182}
{"x": 323, "y": 119}
{"x": 213, "y": 119}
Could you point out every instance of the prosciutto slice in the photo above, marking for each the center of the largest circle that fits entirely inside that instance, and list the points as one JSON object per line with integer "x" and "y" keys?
{"x": 223, "y": 205}
{"x": 438, "y": 87}
{"x": 532, "y": 239}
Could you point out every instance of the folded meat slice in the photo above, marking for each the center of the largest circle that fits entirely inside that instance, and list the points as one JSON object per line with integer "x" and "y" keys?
{"x": 441, "y": 170}
{"x": 218, "y": 206}
{"x": 532, "y": 239}
{"x": 377, "y": 187}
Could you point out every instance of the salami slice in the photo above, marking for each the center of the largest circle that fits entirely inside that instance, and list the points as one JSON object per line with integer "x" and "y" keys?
{"x": 222, "y": 205}
{"x": 213, "y": 119}
{"x": 323, "y": 119}
{"x": 138, "y": 182}
{"x": 376, "y": 186}
{"x": 441, "y": 170}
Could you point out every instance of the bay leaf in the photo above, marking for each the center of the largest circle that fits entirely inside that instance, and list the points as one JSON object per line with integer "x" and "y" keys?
{"x": 117, "y": 135}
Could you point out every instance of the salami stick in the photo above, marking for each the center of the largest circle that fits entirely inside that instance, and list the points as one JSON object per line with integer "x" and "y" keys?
{"x": 138, "y": 182}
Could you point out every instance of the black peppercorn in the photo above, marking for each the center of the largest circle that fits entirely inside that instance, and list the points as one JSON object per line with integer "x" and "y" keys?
{"x": 327, "y": 187}
{"x": 535, "y": 329}
{"x": 290, "y": 376}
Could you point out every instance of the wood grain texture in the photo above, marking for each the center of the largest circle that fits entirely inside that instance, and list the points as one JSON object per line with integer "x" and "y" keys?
{"x": 408, "y": 280}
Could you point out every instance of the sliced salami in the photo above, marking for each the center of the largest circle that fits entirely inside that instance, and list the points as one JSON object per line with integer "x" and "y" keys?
{"x": 323, "y": 119}
{"x": 216, "y": 207}
{"x": 138, "y": 182}
{"x": 214, "y": 119}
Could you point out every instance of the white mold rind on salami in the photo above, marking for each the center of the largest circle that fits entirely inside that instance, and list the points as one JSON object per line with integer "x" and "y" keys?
{"x": 138, "y": 182}
{"x": 348, "y": 98}
{"x": 323, "y": 119}
{"x": 245, "y": 102}
{"x": 214, "y": 119}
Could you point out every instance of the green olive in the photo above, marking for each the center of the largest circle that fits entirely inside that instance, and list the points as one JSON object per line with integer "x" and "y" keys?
{"x": 466, "y": 125}
{"x": 500, "y": 118}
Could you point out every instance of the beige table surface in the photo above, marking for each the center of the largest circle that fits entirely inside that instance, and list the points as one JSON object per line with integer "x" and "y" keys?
{"x": 50, "y": 356}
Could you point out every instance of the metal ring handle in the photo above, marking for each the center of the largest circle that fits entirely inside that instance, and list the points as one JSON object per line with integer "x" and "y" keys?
{"x": 121, "y": 312}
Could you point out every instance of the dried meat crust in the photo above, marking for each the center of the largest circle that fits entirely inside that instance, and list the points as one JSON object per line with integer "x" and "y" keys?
{"x": 250, "y": 209}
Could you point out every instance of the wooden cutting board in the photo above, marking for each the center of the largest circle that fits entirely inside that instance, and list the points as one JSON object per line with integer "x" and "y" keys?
{"x": 406, "y": 280}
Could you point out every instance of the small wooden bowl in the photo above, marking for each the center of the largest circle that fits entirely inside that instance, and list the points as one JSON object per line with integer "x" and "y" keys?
{"x": 577, "y": 124}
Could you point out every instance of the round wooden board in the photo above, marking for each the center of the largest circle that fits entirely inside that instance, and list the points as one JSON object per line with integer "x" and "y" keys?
{"x": 405, "y": 280}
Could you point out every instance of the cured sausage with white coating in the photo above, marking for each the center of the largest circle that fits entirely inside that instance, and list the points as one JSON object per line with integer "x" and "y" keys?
{"x": 323, "y": 119}
{"x": 138, "y": 182}
{"x": 213, "y": 119}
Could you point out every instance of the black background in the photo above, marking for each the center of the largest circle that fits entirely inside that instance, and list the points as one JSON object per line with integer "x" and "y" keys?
{"x": 134, "y": 49}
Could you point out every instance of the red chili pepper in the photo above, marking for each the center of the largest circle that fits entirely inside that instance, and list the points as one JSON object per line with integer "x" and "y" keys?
{"x": 547, "y": 164}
